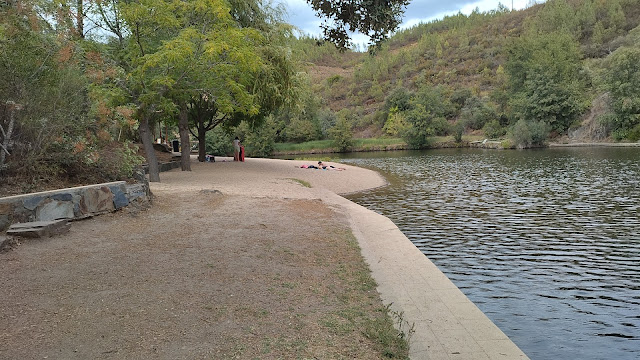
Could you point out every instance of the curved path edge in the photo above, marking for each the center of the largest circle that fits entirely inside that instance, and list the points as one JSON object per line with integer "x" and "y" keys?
{"x": 447, "y": 324}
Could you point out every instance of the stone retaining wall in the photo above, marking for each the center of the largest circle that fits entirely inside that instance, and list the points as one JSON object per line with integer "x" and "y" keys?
{"x": 72, "y": 203}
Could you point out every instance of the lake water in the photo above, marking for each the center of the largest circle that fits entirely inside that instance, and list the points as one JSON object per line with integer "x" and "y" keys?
{"x": 545, "y": 242}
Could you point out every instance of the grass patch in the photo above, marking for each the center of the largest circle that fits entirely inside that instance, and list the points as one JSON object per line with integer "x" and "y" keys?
{"x": 375, "y": 144}
{"x": 305, "y": 146}
{"x": 359, "y": 310}
{"x": 301, "y": 182}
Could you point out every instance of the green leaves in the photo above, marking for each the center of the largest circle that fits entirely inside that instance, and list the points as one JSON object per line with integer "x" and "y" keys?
{"x": 623, "y": 82}
{"x": 544, "y": 78}
{"x": 371, "y": 17}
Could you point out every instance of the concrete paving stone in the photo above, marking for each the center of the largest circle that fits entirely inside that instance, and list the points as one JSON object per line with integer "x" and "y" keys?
{"x": 458, "y": 341}
{"x": 451, "y": 295}
{"x": 411, "y": 278}
{"x": 419, "y": 355}
{"x": 466, "y": 310}
{"x": 502, "y": 350}
{"x": 440, "y": 316}
{"x": 472, "y": 356}
{"x": 483, "y": 330}
{"x": 425, "y": 343}
{"x": 440, "y": 281}
{"x": 422, "y": 293}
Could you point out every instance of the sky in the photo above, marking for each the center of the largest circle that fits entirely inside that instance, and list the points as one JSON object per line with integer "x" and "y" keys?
{"x": 302, "y": 16}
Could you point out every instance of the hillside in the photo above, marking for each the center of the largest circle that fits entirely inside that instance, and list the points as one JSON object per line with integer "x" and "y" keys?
{"x": 466, "y": 57}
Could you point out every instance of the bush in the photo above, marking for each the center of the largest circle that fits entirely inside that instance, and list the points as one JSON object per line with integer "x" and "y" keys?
{"x": 260, "y": 140}
{"x": 342, "y": 135}
{"x": 219, "y": 142}
{"x": 528, "y": 134}
{"x": 634, "y": 134}
{"x": 419, "y": 128}
{"x": 493, "y": 129}
{"x": 458, "y": 130}
{"x": 441, "y": 126}
{"x": 476, "y": 113}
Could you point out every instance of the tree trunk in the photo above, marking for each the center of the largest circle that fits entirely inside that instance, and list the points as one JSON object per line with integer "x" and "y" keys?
{"x": 183, "y": 126}
{"x": 202, "y": 144}
{"x": 147, "y": 141}
{"x": 11, "y": 107}
{"x": 80, "y": 18}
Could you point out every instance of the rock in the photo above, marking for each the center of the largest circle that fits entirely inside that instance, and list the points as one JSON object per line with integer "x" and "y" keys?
{"x": 135, "y": 191}
{"x": 39, "y": 229}
{"x": 96, "y": 201}
{"x": 6, "y": 243}
{"x": 4, "y": 222}
{"x": 120, "y": 199}
{"x": 62, "y": 197}
{"x": 31, "y": 203}
{"x": 161, "y": 147}
{"x": 54, "y": 210}
{"x": 6, "y": 208}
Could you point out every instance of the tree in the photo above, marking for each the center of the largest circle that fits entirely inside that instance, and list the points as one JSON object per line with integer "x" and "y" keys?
{"x": 370, "y": 17}
{"x": 623, "y": 82}
{"x": 545, "y": 81}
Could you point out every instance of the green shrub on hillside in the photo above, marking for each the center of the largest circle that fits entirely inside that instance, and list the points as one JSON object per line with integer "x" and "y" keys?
{"x": 526, "y": 134}
{"x": 623, "y": 83}
{"x": 342, "y": 135}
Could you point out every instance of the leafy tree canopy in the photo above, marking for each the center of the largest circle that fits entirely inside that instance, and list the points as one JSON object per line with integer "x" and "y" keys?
{"x": 376, "y": 18}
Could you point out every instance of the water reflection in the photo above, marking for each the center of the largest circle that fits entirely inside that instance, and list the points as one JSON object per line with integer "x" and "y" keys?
{"x": 546, "y": 243}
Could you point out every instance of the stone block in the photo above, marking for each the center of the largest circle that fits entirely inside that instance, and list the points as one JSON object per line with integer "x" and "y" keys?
{"x": 96, "y": 200}
{"x": 62, "y": 197}
{"x": 20, "y": 214}
{"x": 39, "y": 228}
{"x": 32, "y": 202}
{"x": 6, "y": 209}
{"x": 120, "y": 199}
{"x": 4, "y": 222}
{"x": 135, "y": 191}
{"x": 54, "y": 210}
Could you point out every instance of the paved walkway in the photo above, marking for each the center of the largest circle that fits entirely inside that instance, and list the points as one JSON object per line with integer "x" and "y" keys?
{"x": 447, "y": 324}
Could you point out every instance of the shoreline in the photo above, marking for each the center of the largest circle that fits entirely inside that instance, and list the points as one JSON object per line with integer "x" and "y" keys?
{"x": 491, "y": 144}
{"x": 447, "y": 324}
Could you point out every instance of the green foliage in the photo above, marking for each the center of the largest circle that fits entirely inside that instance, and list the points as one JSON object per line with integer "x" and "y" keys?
{"x": 526, "y": 134}
{"x": 260, "y": 139}
{"x": 371, "y": 17}
{"x": 544, "y": 72}
{"x": 342, "y": 135}
{"x": 493, "y": 130}
{"x": 476, "y": 113}
{"x": 458, "y": 130}
{"x": 396, "y": 123}
{"x": 419, "y": 128}
{"x": 398, "y": 99}
{"x": 219, "y": 142}
{"x": 61, "y": 130}
{"x": 623, "y": 82}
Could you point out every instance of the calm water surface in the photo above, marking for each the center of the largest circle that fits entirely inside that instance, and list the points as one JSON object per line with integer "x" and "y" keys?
{"x": 545, "y": 242}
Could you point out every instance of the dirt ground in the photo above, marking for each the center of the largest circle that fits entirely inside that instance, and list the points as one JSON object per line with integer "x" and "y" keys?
{"x": 200, "y": 275}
